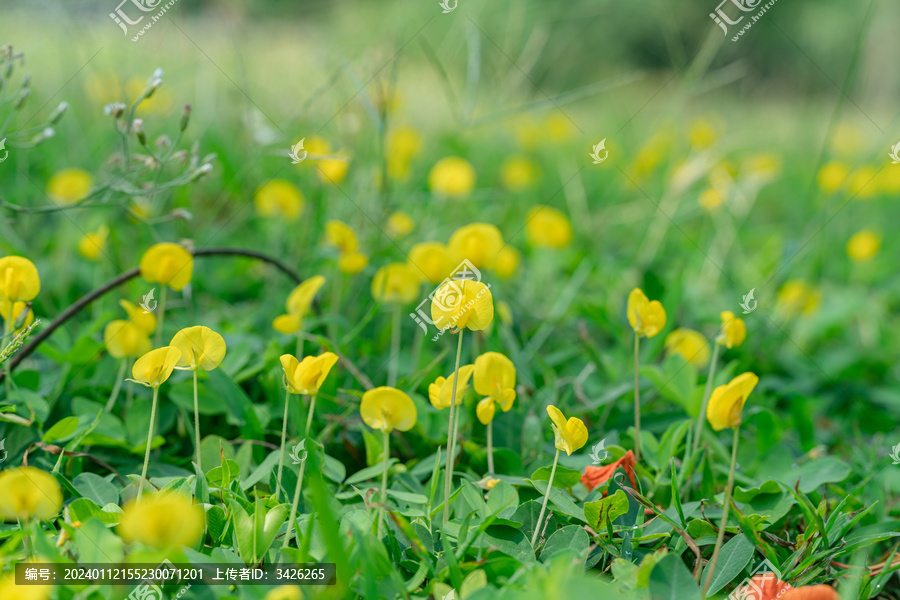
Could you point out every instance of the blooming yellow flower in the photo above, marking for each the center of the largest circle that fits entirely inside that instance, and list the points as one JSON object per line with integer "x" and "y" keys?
{"x": 341, "y": 236}
{"x": 297, "y": 305}
{"x": 462, "y": 304}
{"x": 154, "y": 367}
{"x": 396, "y": 283}
{"x": 201, "y": 348}
{"x": 864, "y": 245}
{"x": 647, "y": 318}
{"x": 831, "y": 176}
{"x": 495, "y": 378}
{"x": 329, "y": 170}
{"x": 431, "y": 260}
{"x": 10, "y": 591}
{"x": 507, "y": 262}
{"x": 308, "y": 375}
{"x": 140, "y": 318}
{"x": 734, "y": 331}
{"x": 279, "y": 199}
{"x": 518, "y": 173}
{"x": 28, "y": 492}
{"x": 352, "y": 262}
{"x": 863, "y": 184}
{"x": 441, "y": 390}
{"x": 69, "y": 186}
{"x": 284, "y": 592}
{"x": 91, "y": 245}
{"x": 452, "y": 176}
{"x": 711, "y": 198}
{"x": 702, "y": 134}
{"x": 548, "y": 228}
{"x": 388, "y": 408}
{"x": 727, "y": 401}
{"x": 400, "y": 224}
{"x": 124, "y": 338}
{"x": 168, "y": 264}
{"x": 798, "y": 296}
{"x": 16, "y": 308}
{"x": 163, "y": 520}
{"x": 689, "y": 345}
{"x": 479, "y": 243}
{"x": 19, "y": 279}
{"x": 570, "y": 435}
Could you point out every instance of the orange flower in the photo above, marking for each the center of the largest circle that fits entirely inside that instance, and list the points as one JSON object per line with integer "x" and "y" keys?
{"x": 594, "y": 476}
{"x": 772, "y": 588}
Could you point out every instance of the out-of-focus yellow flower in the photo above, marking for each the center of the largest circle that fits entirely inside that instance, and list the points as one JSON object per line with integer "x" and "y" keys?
{"x": 651, "y": 153}
{"x": 452, "y": 176}
{"x": 163, "y": 520}
{"x": 831, "y": 176}
{"x": 702, "y": 134}
{"x": 862, "y": 183}
{"x": 69, "y": 186}
{"x": 527, "y": 131}
{"x": 124, "y": 338}
{"x": 404, "y": 142}
{"x": 431, "y": 260}
{"x": 297, "y": 305}
{"x": 440, "y": 392}
{"x": 396, "y": 283}
{"x": 400, "y": 224}
{"x": 19, "y": 279}
{"x": 91, "y": 245}
{"x": 689, "y": 345}
{"x": 863, "y": 245}
{"x": 159, "y": 103}
{"x": 846, "y": 140}
{"x": 168, "y": 264}
{"x": 797, "y": 296}
{"x": 479, "y": 243}
{"x": 279, "y": 199}
{"x": 329, "y": 170}
{"x": 28, "y": 492}
{"x": 507, "y": 262}
{"x": 570, "y": 435}
{"x": 16, "y": 308}
{"x": 341, "y": 236}
{"x": 201, "y": 348}
{"x": 285, "y": 592}
{"x": 548, "y": 227}
{"x": 388, "y": 408}
{"x": 890, "y": 179}
{"x": 462, "y": 304}
{"x": 727, "y": 401}
{"x": 558, "y": 127}
{"x": 307, "y": 376}
{"x": 734, "y": 331}
{"x": 155, "y": 367}
{"x": 10, "y": 591}
{"x": 518, "y": 173}
{"x": 495, "y": 378}
{"x": 711, "y": 198}
{"x": 352, "y": 262}
{"x": 140, "y": 318}
{"x": 647, "y": 318}
{"x": 504, "y": 312}
{"x": 762, "y": 166}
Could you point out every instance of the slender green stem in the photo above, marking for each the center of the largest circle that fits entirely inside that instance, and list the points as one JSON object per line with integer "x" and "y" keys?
{"x": 637, "y": 399}
{"x": 490, "y": 447}
{"x": 149, "y": 440}
{"x": 537, "y": 524}
{"x": 129, "y": 389}
{"x": 396, "y": 326}
{"x": 448, "y": 470}
{"x": 337, "y": 282}
{"x": 711, "y": 566}
{"x": 8, "y": 332}
{"x": 706, "y": 391}
{"x": 162, "y": 316}
{"x": 309, "y": 415}
{"x": 284, "y": 424}
{"x": 294, "y": 504}
{"x": 117, "y": 385}
{"x": 197, "y": 422}
{"x": 384, "y": 473}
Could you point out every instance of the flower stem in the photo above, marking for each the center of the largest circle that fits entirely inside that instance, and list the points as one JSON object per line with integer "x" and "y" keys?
{"x": 384, "y": 473}
{"x": 451, "y": 430}
{"x": 637, "y": 399}
{"x": 117, "y": 385}
{"x": 395, "y": 346}
{"x": 702, "y": 416}
{"x": 162, "y": 316}
{"x": 290, "y": 529}
{"x": 490, "y": 447}
{"x": 711, "y": 566}
{"x": 197, "y": 421}
{"x": 309, "y": 415}
{"x": 284, "y": 423}
{"x": 8, "y": 332}
{"x": 537, "y": 525}
{"x": 149, "y": 439}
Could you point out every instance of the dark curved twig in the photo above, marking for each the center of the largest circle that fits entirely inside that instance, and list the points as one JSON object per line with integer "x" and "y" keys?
{"x": 118, "y": 280}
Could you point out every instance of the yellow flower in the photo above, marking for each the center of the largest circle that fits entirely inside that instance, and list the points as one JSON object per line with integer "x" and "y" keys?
{"x": 140, "y": 318}
{"x": 284, "y": 592}
{"x": 431, "y": 260}
{"x": 19, "y": 279}
{"x": 297, "y": 305}
{"x": 570, "y": 435}
{"x": 702, "y": 134}
{"x": 495, "y": 378}
{"x": 395, "y": 283}
{"x": 734, "y": 331}
{"x": 646, "y": 317}
{"x": 329, "y": 170}
{"x": 762, "y": 166}
{"x": 831, "y": 176}
{"x": 28, "y": 492}
{"x": 341, "y": 236}
{"x": 797, "y": 296}
{"x": 518, "y": 173}
{"x": 91, "y": 245}
{"x": 352, "y": 262}
{"x": 548, "y": 228}
{"x": 507, "y": 262}
{"x": 388, "y": 408}
{"x": 558, "y": 126}
{"x": 441, "y": 390}
{"x": 863, "y": 184}
{"x": 727, "y": 401}
{"x": 69, "y": 186}
{"x": 452, "y": 176}
{"x": 164, "y": 520}
{"x": 154, "y": 367}
{"x": 689, "y": 345}
{"x": 168, "y": 264}
{"x": 400, "y": 224}
{"x": 479, "y": 243}
{"x": 17, "y": 309}
{"x": 505, "y": 313}
{"x": 404, "y": 142}
{"x": 462, "y": 304}
{"x": 279, "y": 199}
{"x": 864, "y": 245}
{"x": 10, "y": 591}
{"x": 890, "y": 179}
{"x": 201, "y": 348}
{"x": 124, "y": 338}
{"x": 711, "y": 198}
{"x": 308, "y": 375}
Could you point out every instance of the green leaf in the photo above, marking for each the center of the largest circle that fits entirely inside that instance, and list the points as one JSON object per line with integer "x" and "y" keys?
{"x": 216, "y": 522}
{"x": 61, "y": 430}
{"x": 671, "y": 580}
{"x": 571, "y": 537}
{"x": 610, "y": 508}
{"x": 222, "y": 476}
{"x": 734, "y": 556}
{"x": 96, "y": 488}
{"x": 97, "y": 544}
{"x": 502, "y": 496}
{"x": 560, "y": 500}
{"x": 564, "y": 478}
{"x": 83, "y": 509}
{"x": 368, "y": 473}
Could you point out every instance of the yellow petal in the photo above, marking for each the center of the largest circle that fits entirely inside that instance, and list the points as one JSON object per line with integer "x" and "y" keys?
{"x": 341, "y": 236}
{"x": 434, "y": 393}
{"x": 452, "y": 176}
{"x": 19, "y": 279}
{"x": 494, "y": 373}
{"x": 395, "y": 283}
{"x": 12, "y": 312}
{"x": 290, "y": 363}
{"x": 388, "y": 408}
{"x": 485, "y": 410}
{"x": 432, "y": 261}
{"x": 548, "y": 227}
{"x": 155, "y": 367}
{"x": 727, "y": 401}
{"x": 637, "y": 302}
{"x": 301, "y": 297}
{"x": 577, "y": 434}
{"x": 164, "y": 520}
{"x": 123, "y": 338}
{"x": 287, "y": 323}
{"x": 462, "y": 304}
{"x": 279, "y": 199}
{"x": 28, "y": 492}
{"x": 69, "y": 186}
{"x": 140, "y": 318}
{"x": 352, "y": 262}
{"x": 734, "y": 331}
{"x": 400, "y": 224}
{"x": 462, "y": 384}
{"x": 690, "y": 345}
{"x": 200, "y": 347}
{"x": 168, "y": 264}
{"x": 479, "y": 243}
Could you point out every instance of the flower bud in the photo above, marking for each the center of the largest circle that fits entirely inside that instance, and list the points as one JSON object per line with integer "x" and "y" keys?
{"x": 58, "y": 113}
{"x": 23, "y": 95}
{"x": 185, "y": 116}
